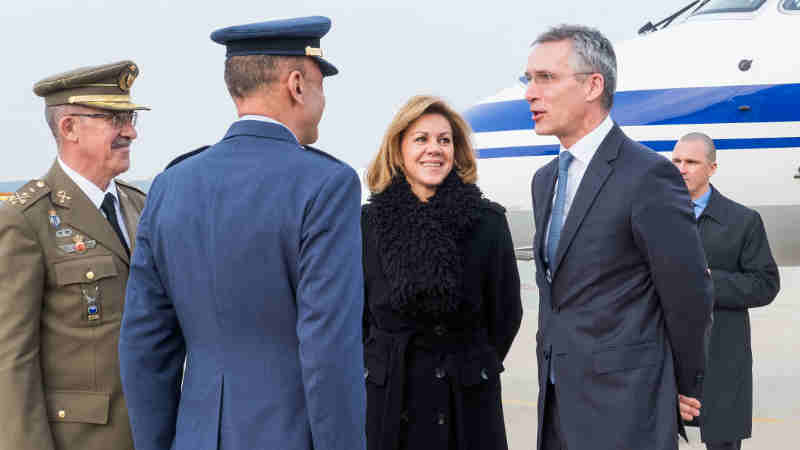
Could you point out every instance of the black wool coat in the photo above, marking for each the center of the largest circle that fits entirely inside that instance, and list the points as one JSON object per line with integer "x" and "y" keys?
{"x": 745, "y": 276}
{"x": 442, "y": 307}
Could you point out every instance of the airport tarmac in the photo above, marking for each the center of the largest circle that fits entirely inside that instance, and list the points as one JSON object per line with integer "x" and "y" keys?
{"x": 776, "y": 370}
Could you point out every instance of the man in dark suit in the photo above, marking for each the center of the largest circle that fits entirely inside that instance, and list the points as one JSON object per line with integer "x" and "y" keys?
{"x": 745, "y": 276}
{"x": 248, "y": 259}
{"x": 625, "y": 295}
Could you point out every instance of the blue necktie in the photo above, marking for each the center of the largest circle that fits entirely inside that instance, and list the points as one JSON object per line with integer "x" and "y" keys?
{"x": 557, "y": 216}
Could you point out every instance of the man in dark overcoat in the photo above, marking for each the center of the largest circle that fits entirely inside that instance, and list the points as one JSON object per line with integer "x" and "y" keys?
{"x": 745, "y": 276}
{"x": 64, "y": 260}
{"x": 624, "y": 292}
{"x": 248, "y": 264}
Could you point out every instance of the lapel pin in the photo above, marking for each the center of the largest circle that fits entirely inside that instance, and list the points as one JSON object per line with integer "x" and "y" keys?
{"x": 55, "y": 221}
{"x": 80, "y": 246}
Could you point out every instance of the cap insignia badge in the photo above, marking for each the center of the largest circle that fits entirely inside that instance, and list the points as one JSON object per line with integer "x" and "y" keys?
{"x": 126, "y": 80}
{"x": 312, "y": 51}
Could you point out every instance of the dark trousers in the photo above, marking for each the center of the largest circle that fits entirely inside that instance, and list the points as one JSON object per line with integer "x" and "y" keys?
{"x": 552, "y": 437}
{"x": 735, "y": 445}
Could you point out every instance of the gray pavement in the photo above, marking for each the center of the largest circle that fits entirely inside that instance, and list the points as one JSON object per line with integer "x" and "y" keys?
{"x": 776, "y": 371}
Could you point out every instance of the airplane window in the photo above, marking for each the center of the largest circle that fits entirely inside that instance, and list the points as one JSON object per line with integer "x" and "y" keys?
{"x": 731, "y": 6}
{"x": 791, "y": 5}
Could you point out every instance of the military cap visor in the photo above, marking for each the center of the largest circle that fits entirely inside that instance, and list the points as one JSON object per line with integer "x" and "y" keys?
{"x": 105, "y": 87}
{"x": 287, "y": 37}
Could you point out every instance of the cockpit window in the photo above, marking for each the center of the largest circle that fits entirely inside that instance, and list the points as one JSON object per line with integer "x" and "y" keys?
{"x": 732, "y": 6}
{"x": 791, "y": 5}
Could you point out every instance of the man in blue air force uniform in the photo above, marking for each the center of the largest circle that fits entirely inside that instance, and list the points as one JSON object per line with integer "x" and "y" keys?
{"x": 248, "y": 260}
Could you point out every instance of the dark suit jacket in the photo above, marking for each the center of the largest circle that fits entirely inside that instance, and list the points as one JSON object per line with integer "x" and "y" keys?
{"x": 626, "y": 315}
{"x": 248, "y": 258}
{"x": 745, "y": 276}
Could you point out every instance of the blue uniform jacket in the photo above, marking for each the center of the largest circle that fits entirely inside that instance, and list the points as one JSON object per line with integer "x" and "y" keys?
{"x": 247, "y": 263}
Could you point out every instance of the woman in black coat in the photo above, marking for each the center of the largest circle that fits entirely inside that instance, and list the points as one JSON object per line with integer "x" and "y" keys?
{"x": 442, "y": 294}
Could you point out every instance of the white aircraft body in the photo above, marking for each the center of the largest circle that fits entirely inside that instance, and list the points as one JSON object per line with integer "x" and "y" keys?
{"x": 727, "y": 68}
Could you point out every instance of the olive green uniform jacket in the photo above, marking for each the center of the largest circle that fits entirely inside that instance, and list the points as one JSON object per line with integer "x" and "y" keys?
{"x": 59, "y": 367}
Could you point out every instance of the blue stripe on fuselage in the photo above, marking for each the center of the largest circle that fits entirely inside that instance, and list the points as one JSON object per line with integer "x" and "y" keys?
{"x": 703, "y": 105}
{"x": 660, "y": 146}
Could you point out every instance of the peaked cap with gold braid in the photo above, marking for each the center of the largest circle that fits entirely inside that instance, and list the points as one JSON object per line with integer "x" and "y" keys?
{"x": 104, "y": 87}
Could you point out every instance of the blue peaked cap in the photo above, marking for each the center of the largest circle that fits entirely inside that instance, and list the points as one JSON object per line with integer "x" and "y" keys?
{"x": 299, "y": 36}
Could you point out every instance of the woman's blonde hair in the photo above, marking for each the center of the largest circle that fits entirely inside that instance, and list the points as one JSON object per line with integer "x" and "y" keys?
{"x": 389, "y": 160}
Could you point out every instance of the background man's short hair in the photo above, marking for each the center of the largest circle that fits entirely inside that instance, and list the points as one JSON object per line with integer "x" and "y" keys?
{"x": 711, "y": 149}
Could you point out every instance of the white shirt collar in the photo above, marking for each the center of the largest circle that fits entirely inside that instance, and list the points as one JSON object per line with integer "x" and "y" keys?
{"x": 585, "y": 148}
{"x": 91, "y": 190}
{"x": 268, "y": 120}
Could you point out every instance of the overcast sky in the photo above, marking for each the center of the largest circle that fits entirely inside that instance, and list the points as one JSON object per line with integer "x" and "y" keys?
{"x": 385, "y": 52}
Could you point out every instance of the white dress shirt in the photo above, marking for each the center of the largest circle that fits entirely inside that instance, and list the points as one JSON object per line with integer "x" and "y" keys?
{"x": 96, "y": 196}
{"x": 583, "y": 151}
{"x": 268, "y": 120}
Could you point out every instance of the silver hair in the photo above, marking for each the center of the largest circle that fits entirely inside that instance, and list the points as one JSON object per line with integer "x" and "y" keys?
{"x": 52, "y": 115}
{"x": 711, "y": 149}
{"x": 592, "y": 52}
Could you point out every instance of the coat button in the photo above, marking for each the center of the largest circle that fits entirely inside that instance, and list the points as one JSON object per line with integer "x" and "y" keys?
{"x": 442, "y": 419}
{"x": 440, "y": 330}
{"x": 404, "y": 416}
{"x": 90, "y": 275}
{"x": 62, "y": 414}
{"x": 440, "y": 373}
{"x": 484, "y": 374}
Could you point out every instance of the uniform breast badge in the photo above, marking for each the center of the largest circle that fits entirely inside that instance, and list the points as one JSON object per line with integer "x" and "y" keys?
{"x": 92, "y": 305}
{"x": 80, "y": 244}
{"x": 63, "y": 197}
{"x": 64, "y": 233}
{"x": 55, "y": 221}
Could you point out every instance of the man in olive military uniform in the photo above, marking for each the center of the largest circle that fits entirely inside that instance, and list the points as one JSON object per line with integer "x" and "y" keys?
{"x": 65, "y": 243}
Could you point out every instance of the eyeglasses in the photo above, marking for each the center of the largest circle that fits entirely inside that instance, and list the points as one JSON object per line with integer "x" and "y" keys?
{"x": 119, "y": 119}
{"x": 544, "y": 77}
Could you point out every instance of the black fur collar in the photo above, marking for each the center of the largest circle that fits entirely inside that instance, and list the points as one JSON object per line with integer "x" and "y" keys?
{"x": 420, "y": 243}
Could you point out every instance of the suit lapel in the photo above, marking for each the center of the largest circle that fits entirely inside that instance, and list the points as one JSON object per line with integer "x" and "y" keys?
{"x": 81, "y": 213}
{"x": 130, "y": 214}
{"x": 545, "y": 200}
{"x": 593, "y": 180}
